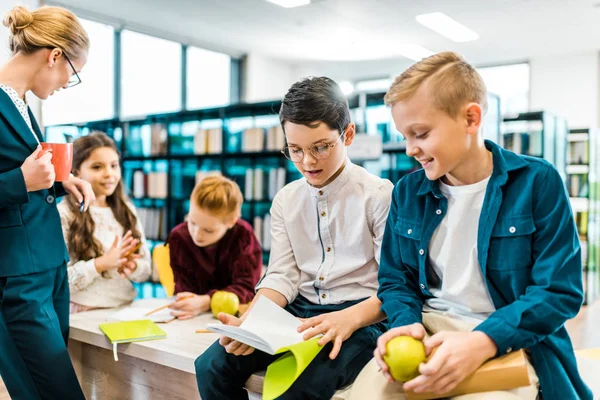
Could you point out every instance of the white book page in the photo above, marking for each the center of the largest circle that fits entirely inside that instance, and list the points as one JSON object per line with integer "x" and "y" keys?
{"x": 274, "y": 326}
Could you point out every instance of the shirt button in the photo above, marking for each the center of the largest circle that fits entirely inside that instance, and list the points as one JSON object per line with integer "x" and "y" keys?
{"x": 421, "y": 252}
{"x": 409, "y": 231}
{"x": 323, "y": 214}
{"x": 323, "y": 295}
{"x": 512, "y": 229}
{"x": 438, "y": 212}
{"x": 49, "y": 199}
{"x": 328, "y": 249}
{"x": 422, "y": 286}
{"x": 321, "y": 279}
{"x": 320, "y": 193}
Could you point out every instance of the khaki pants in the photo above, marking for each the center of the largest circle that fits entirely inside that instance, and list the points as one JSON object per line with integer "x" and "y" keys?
{"x": 372, "y": 385}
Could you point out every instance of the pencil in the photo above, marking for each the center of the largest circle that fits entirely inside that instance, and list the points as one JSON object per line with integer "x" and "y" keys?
{"x": 204, "y": 331}
{"x": 167, "y": 306}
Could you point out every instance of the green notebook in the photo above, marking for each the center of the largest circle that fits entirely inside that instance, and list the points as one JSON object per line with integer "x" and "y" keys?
{"x": 131, "y": 331}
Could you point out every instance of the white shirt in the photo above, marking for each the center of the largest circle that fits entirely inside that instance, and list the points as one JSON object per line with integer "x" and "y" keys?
{"x": 88, "y": 287}
{"x": 326, "y": 242}
{"x": 21, "y": 106}
{"x": 453, "y": 257}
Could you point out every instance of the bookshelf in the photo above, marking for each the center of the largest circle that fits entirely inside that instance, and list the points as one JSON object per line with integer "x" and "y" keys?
{"x": 583, "y": 169}
{"x": 537, "y": 134}
{"x": 163, "y": 156}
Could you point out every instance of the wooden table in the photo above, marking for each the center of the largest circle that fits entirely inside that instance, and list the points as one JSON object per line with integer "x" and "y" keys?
{"x": 157, "y": 369}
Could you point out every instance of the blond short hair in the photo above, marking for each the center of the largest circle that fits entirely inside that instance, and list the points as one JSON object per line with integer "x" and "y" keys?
{"x": 453, "y": 83}
{"x": 46, "y": 27}
{"x": 219, "y": 196}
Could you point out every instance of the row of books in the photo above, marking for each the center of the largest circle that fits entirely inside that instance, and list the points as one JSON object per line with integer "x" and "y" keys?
{"x": 577, "y": 185}
{"x": 208, "y": 141}
{"x": 255, "y": 187}
{"x": 259, "y": 139}
{"x": 153, "y": 185}
{"x": 154, "y": 221}
{"x": 529, "y": 143}
{"x": 262, "y": 230}
{"x": 578, "y": 153}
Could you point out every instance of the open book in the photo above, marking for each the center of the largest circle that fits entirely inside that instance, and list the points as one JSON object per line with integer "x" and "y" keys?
{"x": 271, "y": 329}
{"x": 267, "y": 327}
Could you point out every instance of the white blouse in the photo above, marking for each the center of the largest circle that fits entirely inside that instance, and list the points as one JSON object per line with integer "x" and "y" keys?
{"x": 21, "y": 106}
{"x": 88, "y": 287}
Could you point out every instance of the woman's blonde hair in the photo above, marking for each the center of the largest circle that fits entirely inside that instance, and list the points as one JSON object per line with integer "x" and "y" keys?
{"x": 453, "y": 82}
{"x": 46, "y": 28}
{"x": 219, "y": 196}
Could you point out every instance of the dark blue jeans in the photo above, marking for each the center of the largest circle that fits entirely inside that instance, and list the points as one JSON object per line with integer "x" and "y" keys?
{"x": 222, "y": 376}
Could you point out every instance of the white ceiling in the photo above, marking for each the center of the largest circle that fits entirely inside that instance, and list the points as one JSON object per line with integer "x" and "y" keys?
{"x": 350, "y": 30}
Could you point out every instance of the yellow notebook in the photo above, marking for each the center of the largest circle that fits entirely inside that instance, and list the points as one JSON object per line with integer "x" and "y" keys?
{"x": 131, "y": 331}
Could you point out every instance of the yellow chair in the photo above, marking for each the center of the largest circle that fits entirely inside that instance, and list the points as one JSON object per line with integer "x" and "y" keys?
{"x": 160, "y": 256}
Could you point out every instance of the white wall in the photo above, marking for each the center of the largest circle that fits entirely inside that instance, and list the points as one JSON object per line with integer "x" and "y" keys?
{"x": 266, "y": 79}
{"x": 569, "y": 86}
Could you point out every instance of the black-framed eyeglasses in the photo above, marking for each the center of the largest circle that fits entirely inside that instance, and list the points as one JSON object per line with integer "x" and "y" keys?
{"x": 320, "y": 151}
{"x": 74, "y": 80}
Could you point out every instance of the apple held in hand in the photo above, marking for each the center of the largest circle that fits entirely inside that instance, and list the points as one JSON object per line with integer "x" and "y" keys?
{"x": 225, "y": 302}
{"x": 403, "y": 355}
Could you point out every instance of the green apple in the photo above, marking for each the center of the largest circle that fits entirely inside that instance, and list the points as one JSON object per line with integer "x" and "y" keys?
{"x": 403, "y": 355}
{"x": 225, "y": 302}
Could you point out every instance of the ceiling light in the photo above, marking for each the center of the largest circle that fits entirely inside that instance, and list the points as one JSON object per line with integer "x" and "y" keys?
{"x": 444, "y": 25}
{"x": 347, "y": 87}
{"x": 413, "y": 51}
{"x": 290, "y": 3}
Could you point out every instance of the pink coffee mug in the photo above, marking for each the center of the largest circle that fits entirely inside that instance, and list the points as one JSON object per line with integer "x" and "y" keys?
{"x": 62, "y": 159}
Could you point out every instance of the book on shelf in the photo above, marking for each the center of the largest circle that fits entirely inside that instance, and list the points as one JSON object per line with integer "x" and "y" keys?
{"x": 208, "y": 141}
{"x": 275, "y": 138}
{"x": 262, "y": 185}
{"x": 158, "y": 139}
{"x": 154, "y": 222}
{"x": 577, "y": 185}
{"x": 262, "y": 230}
{"x": 578, "y": 153}
{"x": 259, "y": 139}
{"x": 152, "y": 184}
{"x": 581, "y": 220}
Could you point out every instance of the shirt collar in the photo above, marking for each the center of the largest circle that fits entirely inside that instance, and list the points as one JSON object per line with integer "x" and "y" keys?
{"x": 504, "y": 162}
{"x": 334, "y": 186}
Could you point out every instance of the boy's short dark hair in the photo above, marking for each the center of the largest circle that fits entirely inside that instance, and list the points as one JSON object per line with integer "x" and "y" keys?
{"x": 314, "y": 100}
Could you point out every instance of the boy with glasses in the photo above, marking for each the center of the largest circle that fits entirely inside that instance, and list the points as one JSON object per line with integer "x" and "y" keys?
{"x": 326, "y": 233}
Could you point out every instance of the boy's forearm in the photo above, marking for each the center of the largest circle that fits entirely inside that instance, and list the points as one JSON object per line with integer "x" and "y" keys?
{"x": 367, "y": 312}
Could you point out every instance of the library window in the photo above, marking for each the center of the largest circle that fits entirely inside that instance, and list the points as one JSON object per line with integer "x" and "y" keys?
{"x": 208, "y": 78}
{"x": 150, "y": 75}
{"x": 94, "y": 98}
{"x": 511, "y": 84}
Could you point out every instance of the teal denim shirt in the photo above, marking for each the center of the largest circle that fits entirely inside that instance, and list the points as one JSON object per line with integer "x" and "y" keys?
{"x": 529, "y": 253}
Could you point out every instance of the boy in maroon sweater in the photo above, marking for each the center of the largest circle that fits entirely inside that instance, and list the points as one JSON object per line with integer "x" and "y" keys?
{"x": 214, "y": 249}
